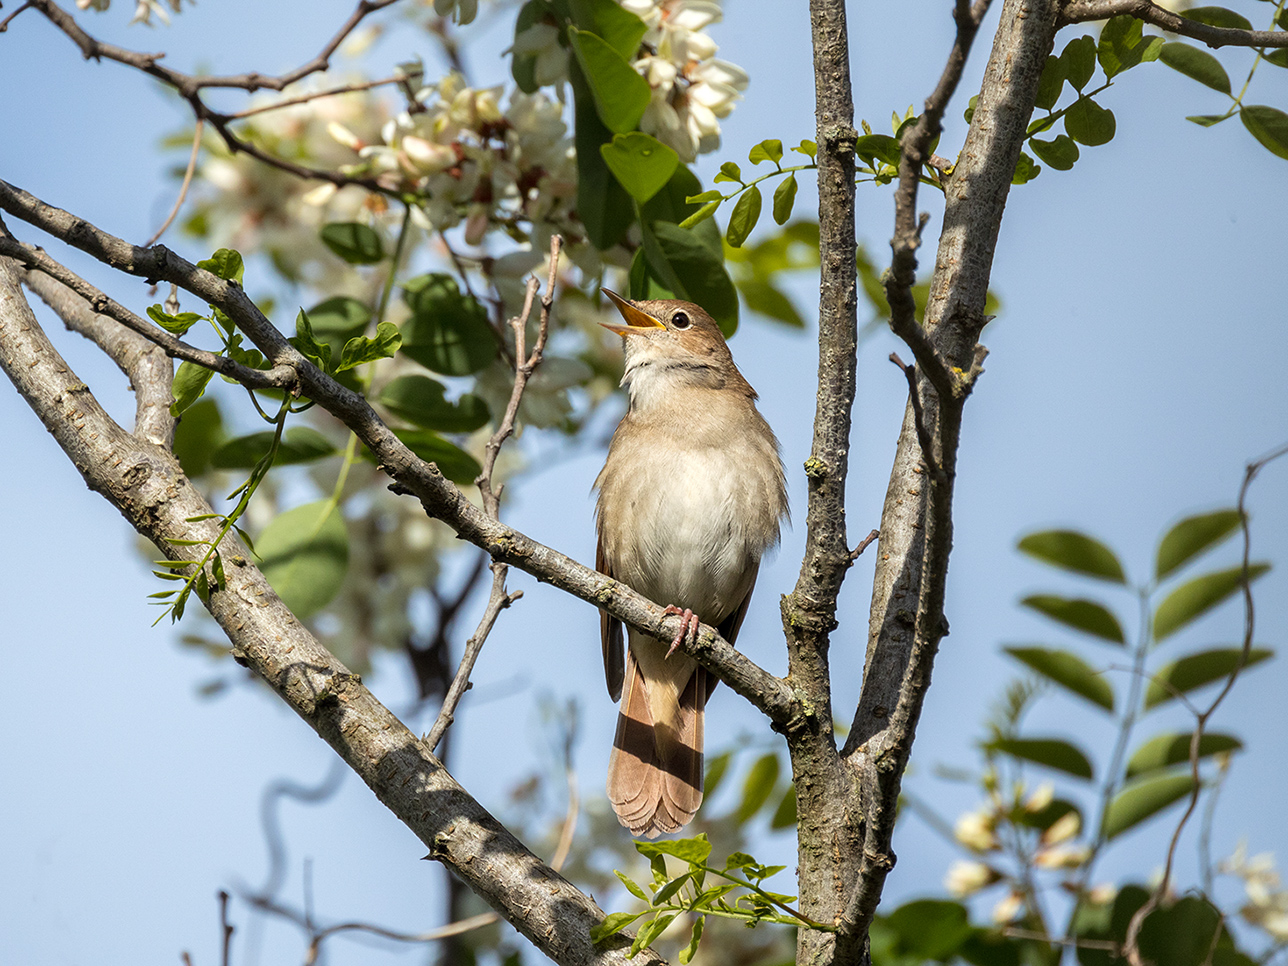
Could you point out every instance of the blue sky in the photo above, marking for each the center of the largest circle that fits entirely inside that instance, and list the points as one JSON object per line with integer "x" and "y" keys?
{"x": 1136, "y": 365}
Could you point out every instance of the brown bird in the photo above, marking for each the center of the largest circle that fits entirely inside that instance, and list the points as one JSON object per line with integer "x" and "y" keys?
{"x": 690, "y": 497}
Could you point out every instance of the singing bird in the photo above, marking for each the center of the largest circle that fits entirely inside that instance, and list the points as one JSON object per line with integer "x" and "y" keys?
{"x": 690, "y": 498}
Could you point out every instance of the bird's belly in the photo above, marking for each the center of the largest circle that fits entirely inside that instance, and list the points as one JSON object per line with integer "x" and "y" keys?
{"x": 689, "y": 540}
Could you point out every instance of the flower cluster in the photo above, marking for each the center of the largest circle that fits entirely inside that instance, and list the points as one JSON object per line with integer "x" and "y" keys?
{"x": 468, "y": 159}
{"x": 692, "y": 89}
{"x": 979, "y": 831}
{"x": 1267, "y": 905}
{"x": 143, "y": 9}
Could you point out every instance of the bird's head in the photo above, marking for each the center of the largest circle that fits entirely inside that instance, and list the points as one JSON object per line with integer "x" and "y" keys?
{"x": 673, "y": 342}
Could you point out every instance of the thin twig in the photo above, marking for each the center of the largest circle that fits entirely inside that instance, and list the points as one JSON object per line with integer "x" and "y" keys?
{"x": 187, "y": 181}
{"x": 4, "y": 25}
{"x": 226, "y": 930}
{"x": 1132, "y": 944}
{"x": 928, "y": 452}
{"x": 315, "y": 95}
{"x": 1078, "y": 11}
{"x": 500, "y": 599}
{"x": 863, "y": 545}
{"x": 1106, "y": 944}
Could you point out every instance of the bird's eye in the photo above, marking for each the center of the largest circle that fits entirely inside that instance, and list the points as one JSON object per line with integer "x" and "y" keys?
{"x": 680, "y": 320}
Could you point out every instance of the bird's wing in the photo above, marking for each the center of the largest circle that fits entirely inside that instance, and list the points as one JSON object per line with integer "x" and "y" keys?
{"x": 729, "y": 627}
{"x": 610, "y": 635}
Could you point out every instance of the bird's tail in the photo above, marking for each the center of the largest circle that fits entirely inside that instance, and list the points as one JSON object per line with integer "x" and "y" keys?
{"x": 655, "y": 771}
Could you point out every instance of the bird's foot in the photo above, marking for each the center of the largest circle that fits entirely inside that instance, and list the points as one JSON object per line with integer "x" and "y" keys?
{"x": 689, "y": 624}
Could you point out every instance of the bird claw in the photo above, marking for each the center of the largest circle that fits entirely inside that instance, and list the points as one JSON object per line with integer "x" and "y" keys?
{"x": 689, "y": 624}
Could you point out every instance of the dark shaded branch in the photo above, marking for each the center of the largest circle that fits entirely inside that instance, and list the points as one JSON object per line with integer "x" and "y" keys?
{"x": 146, "y": 484}
{"x": 441, "y": 499}
{"x": 1078, "y": 11}
{"x": 907, "y": 621}
{"x": 36, "y": 260}
{"x": 908, "y": 226}
{"x": 189, "y": 85}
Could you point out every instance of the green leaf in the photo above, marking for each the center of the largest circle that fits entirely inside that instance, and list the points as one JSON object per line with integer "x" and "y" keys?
{"x": 1207, "y": 120}
{"x": 1142, "y": 798}
{"x": 1088, "y": 123}
{"x": 1182, "y": 933}
{"x": 602, "y": 203}
{"x": 305, "y": 555}
{"x": 226, "y": 263}
{"x": 1196, "y": 597}
{"x": 1196, "y": 64}
{"x": 612, "y": 924}
{"x": 356, "y": 243}
{"x": 337, "y": 320}
{"x": 784, "y": 199}
{"x": 1047, "y": 816}
{"x": 618, "y": 27}
{"x": 448, "y": 331}
{"x": 523, "y": 67}
{"x": 717, "y": 768}
{"x": 1277, "y": 57}
{"x": 1269, "y": 125}
{"x": 766, "y": 299}
{"x": 700, "y": 269}
{"x": 189, "y": 383}
{"x": 631, "y": 886}
{"x": 1122, "y": 47}
{"x": 1217, "y": 17}
{"x": 318, "y": 353}
{"x": 452, "y": 461}
{"x": 1069, "y": 671}
{"x": 807, "y": 148}
{"x": 687, "y": 953}
{"x": 1026, "y": 169}
{"x": 785, "y": 814}
{"x": 931, "y": 928}
{"x": 361, "y": 350}
{"x": 877, "y": 147}
{"x": 701, "y": 215}
{"x": 1061, "y": 153}
{"x": 178, "y": 324}
{"x": 651, "y": 930}
{"x": 1196, "y": 670}
{"x": 767, "y": 150}
{"x": 300, "y": 444}
{"x": 665, "y": 893}
{"x": 1078, "y": 60}
{"x": 199, "y": 433}
{"x": 695, "y": 849}
{"x": 1080, "y": 614}
{"x": 620, "y": 93}
{"x": 1051, "y": 84}
{"x": 745, "y": 215}
{"x": 1051, "y": 752}
{"x": 729, "y": 171}
{"x": 1165, "y": 750}
{"x": 758, "y": 786}
{"x": 423, "y": 401}
{"x": 641, "y": 162}
{"x": 1074, "y": 551}
{"x": 1191, "y": 537}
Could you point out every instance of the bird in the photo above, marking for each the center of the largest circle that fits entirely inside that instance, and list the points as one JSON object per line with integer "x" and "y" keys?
{"x": 691, "y": 496}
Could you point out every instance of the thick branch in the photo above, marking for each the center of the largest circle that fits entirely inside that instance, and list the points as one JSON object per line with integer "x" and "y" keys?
{"x": 38, "y": 262}
{"x": 146, "y": 484}
{"x": 1078, "y": 11}
{"x": 441, "y": 499}
{"x": 907, "y": 619}
{"x": 148, "y": 367}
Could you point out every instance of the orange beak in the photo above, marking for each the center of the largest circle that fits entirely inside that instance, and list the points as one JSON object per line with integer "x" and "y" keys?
{"x": 637, "y": 322}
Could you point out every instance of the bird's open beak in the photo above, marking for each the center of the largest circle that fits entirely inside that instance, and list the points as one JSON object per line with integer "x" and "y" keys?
{"x": 637, "y": 322}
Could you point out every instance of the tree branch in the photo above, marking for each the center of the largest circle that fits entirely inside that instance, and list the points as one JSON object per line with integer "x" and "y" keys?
{"x": 147, "y": 485}
{"x": 1079, "y": 11}
{"x": 907, "y": 620}
{"x": 146, "y": 366}
{"x": 441, "y": 499}
{"x": 36, "y": 260}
